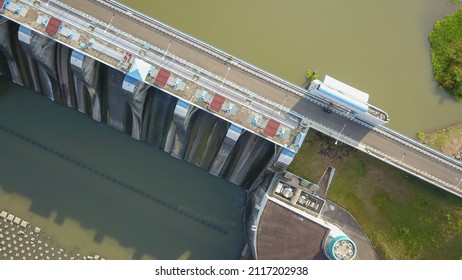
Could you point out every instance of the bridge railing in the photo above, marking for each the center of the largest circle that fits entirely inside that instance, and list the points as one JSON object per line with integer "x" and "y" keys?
{"x": 268, "y": 77}
{"x": 219, "y": 54}
{"x": 198, "y": 44}
{"x": 409, "y": 142}
{"x": 134, "y": 43}
{"x": 417, "y": 172}
{"x": 387, "y": 158}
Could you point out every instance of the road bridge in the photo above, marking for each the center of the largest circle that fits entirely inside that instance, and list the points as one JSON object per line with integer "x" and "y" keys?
{"x": 221, "y": 84}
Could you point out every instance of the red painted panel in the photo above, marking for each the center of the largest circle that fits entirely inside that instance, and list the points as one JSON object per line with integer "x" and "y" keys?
{"x": 271, "y": 128}
{"x": 53, "y": 26}
{"x": 162, "y": 77}
{"x": 217, "y": 103}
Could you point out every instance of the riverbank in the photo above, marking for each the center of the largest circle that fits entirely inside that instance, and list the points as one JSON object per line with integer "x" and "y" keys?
{"x": 404, "y": 217}
{"x": 20, "y": 240}
{"x": 446, "y": 140}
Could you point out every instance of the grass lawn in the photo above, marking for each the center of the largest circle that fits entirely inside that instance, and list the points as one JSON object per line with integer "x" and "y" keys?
{"x": 404, "y": 217}
{"x": 447, "y": 140}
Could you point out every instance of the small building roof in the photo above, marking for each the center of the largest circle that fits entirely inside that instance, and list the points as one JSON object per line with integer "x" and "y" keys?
{"x": 217, "y": 103}
{"x": 53, "y": 26}
{"x": 297, "y": 238}
{"x": 271, "y": 128}
{"x": 139, "y": 70}
{"x": 162, "y": 77}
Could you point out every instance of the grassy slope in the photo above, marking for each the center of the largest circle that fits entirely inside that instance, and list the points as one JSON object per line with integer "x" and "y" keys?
{"x": 447, "y": 140}
{"x": 404, "y": 217}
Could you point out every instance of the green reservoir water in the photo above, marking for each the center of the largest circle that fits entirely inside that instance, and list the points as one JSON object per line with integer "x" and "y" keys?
{"x": 379, "y": 47}
{"x": 98, "y": 191}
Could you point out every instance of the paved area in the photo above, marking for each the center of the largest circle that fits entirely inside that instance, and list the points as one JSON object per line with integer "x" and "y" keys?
{"x": 338, "y": 215}
{"x": 20, "y": 240}
{"x": 297, "y": 238}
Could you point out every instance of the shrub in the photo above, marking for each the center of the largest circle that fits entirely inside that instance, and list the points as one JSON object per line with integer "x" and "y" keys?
{"x": 446, "y": 51}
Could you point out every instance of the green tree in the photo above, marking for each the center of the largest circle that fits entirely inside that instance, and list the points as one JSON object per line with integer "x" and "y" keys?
{"x": 446, "y": 43}
{"x": 312, "y": 75}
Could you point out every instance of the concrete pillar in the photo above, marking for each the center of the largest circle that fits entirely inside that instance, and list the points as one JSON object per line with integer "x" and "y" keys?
{"x": 284, "y": 156}
{"x": 86, "y": 73}
{"x": 65, "y": 76}
{"x": 234, "y": 132}
{"x": 137, "y": 94}
{"x": 39, "y": 47}
{"x": 7, "y": 50}
{"x": 35, "y": 80}
{"x": 177, "y": 134}
{"x": 46, "y": 83}
{"x": 245, "y": 158}
{"x": 123, "y": 91}
{"x": 43, "y": 50}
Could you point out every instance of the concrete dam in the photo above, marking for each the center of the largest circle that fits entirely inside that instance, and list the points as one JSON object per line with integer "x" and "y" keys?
{"x": 147, "y": 113}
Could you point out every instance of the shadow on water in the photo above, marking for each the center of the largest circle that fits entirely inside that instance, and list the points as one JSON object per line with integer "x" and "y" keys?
{"x": 170, "y": 206}
{"x": 150, "y": 203}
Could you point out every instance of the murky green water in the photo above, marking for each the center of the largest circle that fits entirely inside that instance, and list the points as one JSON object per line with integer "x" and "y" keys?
{"x": 98, "y": 191}
{"x": 380, "y": 47}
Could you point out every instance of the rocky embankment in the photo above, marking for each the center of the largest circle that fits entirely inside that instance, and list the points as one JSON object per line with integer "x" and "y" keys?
{"x": 19, "y": 240}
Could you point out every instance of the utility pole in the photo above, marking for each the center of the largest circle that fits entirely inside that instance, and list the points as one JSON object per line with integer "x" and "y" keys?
{"x": 336, "y": 141}
{"x": 223, "y": 82}
{"x": 110, "y": 22}
{"x": 404, "y": 154}
{"x": 280, "y": 108}
{"x": 168, "y": 47}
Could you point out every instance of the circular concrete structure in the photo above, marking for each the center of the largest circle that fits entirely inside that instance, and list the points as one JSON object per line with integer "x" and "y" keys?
{"x": 342, "y": 248}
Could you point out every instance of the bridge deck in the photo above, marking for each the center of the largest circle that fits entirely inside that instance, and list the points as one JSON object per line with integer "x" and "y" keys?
{"x": 257, "y": 93}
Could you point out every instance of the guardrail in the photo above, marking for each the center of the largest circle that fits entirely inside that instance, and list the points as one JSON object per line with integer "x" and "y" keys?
{"x": 213, "y": 79}
{"x": 417, "y": 172}
{"x": 384, "y": 157}
{"x": 411, "y": 143}
{"x": 205, "y": 47}
{"x": 268, "y": 77}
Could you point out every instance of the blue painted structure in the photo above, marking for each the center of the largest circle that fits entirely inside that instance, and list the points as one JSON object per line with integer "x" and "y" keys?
{"x": 341, "y": 99}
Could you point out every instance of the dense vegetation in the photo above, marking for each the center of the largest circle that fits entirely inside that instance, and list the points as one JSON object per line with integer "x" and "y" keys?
{"x": 446, "y": 44}
{"x": 404, "y": 217}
